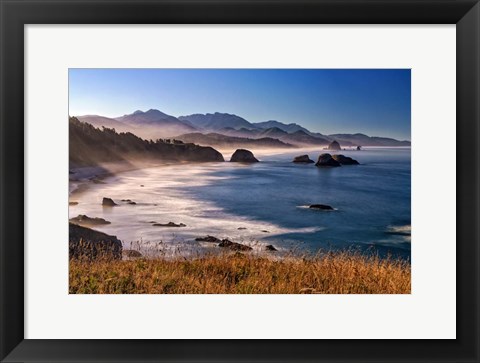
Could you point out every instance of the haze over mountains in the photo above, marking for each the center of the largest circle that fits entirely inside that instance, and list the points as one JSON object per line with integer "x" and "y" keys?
{"x": 90, "y": 146}
{"x": 216, "y": 121}
{"x": 222, "y": 129}
{"x": 152, "y": 124}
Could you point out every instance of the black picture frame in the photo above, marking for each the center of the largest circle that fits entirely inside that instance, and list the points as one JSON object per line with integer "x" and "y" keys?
{"x": 17, "y": 13}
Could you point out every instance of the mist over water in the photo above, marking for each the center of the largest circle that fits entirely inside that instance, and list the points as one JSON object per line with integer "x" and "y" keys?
{"x": 267, "y": 201}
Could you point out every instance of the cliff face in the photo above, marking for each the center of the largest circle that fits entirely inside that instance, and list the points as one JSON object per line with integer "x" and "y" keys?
{"x": 91, "y": 146}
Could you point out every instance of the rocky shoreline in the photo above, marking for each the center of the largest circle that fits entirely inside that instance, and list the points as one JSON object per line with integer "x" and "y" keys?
{"x": 88, "y": 244}
{"x": 175, "y": 230}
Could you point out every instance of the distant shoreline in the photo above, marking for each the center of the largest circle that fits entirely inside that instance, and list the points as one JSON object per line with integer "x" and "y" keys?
{"x": 80, "y": 177}
{"x": 83, "y": 176}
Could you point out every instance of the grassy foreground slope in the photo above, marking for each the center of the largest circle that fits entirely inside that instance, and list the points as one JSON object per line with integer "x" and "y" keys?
{"x": 334, "y": 273}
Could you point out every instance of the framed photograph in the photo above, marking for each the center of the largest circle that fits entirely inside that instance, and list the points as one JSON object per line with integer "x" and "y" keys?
{"x": 240, "y": 181}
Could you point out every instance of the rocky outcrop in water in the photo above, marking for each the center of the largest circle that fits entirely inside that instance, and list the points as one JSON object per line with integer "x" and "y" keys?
{"x": 334, "y": 145}
{"x": 108, "y": 202}
{"x": 345, "y": 160}
{"x": 84, "y": 220}
{"x": 243, "y": 156}
{"x": 326, "y": 160}
{"x": 169, "y": 224}
{"x": 234, "y": 246}
{"x": 320, "y": 206}
{"x": 128, "y": 201}
{"x": 86, "y": 243}
{"x": 302, "y": 159}
{"x": 208, "y": 239}
{"x": 270, "y": 248}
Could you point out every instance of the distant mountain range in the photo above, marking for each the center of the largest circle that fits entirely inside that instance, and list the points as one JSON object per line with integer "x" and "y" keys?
{"x": 152, "y": 124}
{"x": 111, "y": 123}
{"x": 284, "y": 127}
{"x": 222, "y": 129}
{"x": 216, "y": 121}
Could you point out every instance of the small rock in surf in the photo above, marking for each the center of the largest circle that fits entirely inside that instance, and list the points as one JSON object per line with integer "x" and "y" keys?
{"x": 302, "y": 159}
{"x": 207, "y": 239}
{"x": 234, "y": 246}
{"x": 320, "y": 206}
{"x": 108, "y": 202}
{"x": 169, "y": 224}
{"x": 84, "y": 220}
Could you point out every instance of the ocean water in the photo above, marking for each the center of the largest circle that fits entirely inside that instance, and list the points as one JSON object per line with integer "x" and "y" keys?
{"x": 263, "y": 203}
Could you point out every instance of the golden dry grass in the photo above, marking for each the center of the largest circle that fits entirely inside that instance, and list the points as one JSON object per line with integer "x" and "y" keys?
{"x": 333, "y": 273}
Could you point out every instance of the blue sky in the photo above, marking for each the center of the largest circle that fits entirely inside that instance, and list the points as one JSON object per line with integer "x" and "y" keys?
{"x": 371, "y": 101}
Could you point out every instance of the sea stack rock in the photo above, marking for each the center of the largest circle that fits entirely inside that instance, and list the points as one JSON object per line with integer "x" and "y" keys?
{"x": 302, "y": 159}
{"x": 243, "y": 156}
{"x": 345, "y": 160}
{"x": 108, "y": 202}
{"x": 326, "y": 160}
{"x": 334, "y": 145}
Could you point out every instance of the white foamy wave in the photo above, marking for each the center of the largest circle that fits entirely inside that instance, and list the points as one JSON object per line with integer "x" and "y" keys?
{"x": 162, "y": 196}
{"x": 405, "y": 230}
